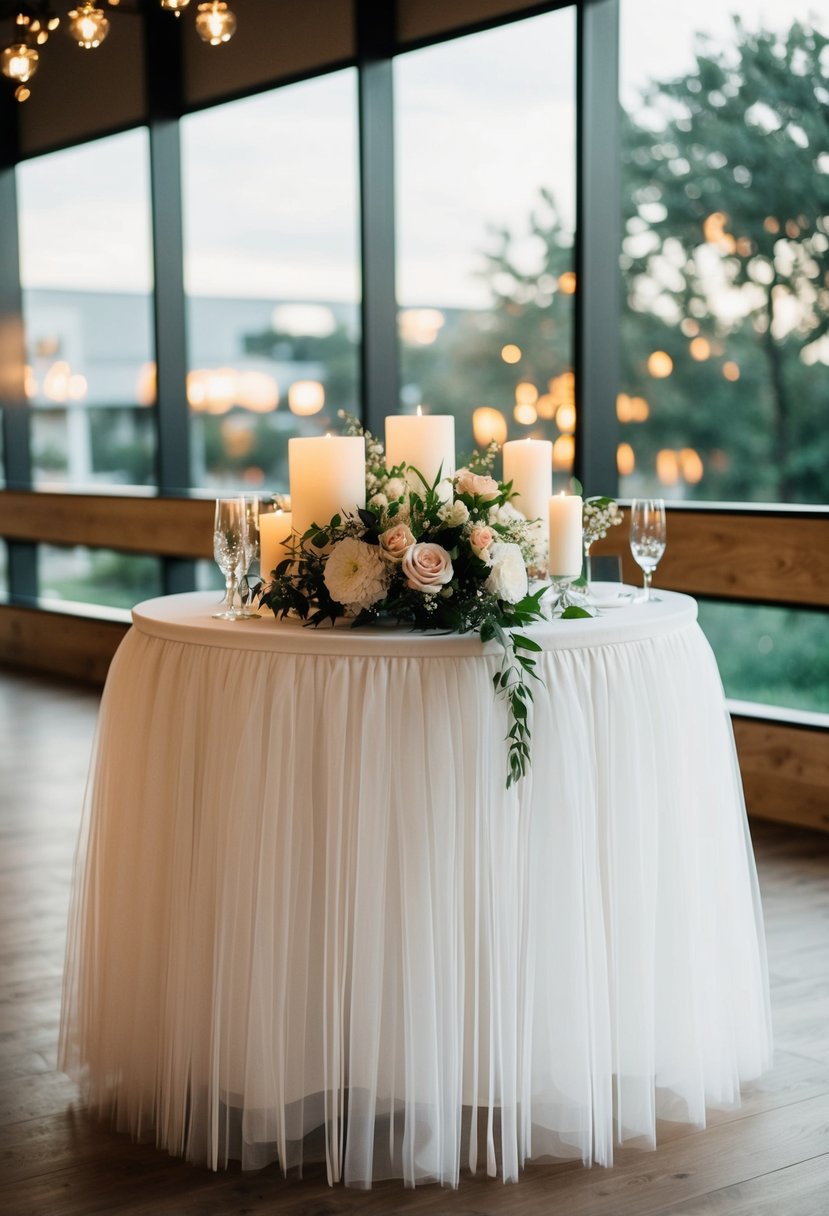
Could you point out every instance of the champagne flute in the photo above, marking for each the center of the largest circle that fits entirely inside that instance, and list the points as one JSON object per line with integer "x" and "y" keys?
{"x": 229, "y": 542}
{"x": 250, "y": 554}
{"x": 648, "y": 533}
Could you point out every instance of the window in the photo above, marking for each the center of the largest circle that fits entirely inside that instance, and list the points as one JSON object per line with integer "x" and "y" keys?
{"x": 96, "y": 576}
{"x": 86, "y": 272}
{"x": 485, "y": 217}
{"x": 725, "y": 255}
{"x": 772, "y": 656}
{"x": 272, "y": 276}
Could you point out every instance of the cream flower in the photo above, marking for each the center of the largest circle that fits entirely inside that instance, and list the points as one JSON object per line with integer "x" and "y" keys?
{"x": 427, "y": 568}
{"x": 508, "y": 577}
{"x": 485, "y": 488}
{"x": 395, "y": 542}
{"x": 454, "y": 513}
{"x": 395, "y": 488}
{"x": 355, "y": 574}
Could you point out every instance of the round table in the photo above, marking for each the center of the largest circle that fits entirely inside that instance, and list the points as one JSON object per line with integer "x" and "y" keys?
{"x": 309, "y": 919}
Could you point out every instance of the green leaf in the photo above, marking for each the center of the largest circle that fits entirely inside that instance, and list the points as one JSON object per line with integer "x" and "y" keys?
{"x": 319, "y": 540}
{"x": 525, "y": 643}
{"x": 574, "y": 613}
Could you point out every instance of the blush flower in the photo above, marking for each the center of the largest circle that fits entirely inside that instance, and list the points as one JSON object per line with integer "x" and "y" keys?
{"x": 485, "y": 488}
{"x": 480, "y": 539}
{"x": 427, "y": 568}
{"x": 395, "y": 542}
{"x": 508, "y": 577}
{"x": 355, "y": 574}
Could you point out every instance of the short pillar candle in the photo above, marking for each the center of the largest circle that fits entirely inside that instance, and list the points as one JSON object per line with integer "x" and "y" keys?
{"x": 566, "y": 544}
{"x": 328, "y": 477}
{"x": 274, "y": 540}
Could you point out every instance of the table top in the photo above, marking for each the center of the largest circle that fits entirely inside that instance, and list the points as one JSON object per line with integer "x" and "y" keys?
{"x": 187, "y": 618}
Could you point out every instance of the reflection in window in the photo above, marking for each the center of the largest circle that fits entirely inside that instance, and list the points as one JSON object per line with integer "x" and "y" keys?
{"x": 271, "y": 258}
{"x": 485, "y": 212}
{"x": 96, "y": 576}
{"x": 725, "y": 256}
{"x": 774, "y": 656}
{"x": 86, "y": 272}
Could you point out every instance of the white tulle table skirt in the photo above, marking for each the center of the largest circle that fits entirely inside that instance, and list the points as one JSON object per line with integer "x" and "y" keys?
{"x": 309, "y": 919}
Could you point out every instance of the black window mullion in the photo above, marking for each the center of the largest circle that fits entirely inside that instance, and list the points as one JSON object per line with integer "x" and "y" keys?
{"x": 598, "y": 208}
{"x": 163, "y": 60}
{"x": 14, "y": 407}
{"x": 379, "y": 363}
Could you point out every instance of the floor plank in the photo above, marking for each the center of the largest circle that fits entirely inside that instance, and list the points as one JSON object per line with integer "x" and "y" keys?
{"x": 769, "y": 1156}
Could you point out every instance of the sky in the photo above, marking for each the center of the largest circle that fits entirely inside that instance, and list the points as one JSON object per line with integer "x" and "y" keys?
{"x": 270, "y": 182}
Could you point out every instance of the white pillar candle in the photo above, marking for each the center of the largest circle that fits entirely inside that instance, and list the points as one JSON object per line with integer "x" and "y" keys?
{"x": 566, "y": 546}
{"x": 328, "y": 477}
{"x": 274, "y": 532}
{"x": 425, "y": 441}
{"x": 528, "y": 464}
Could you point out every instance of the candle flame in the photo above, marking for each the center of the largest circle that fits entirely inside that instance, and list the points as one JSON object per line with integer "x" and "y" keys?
{"x": 420, "y": 411}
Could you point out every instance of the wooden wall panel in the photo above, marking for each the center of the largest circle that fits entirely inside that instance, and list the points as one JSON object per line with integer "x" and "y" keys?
{"x": 57, "y": 643}
{"x": 167, "y": 527}
{"x": 765, "y": 557}
{"x": 785, "y": 772}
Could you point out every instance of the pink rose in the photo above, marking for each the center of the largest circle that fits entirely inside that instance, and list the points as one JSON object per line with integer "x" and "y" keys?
{"x": 395, "y": 542}
{"x": 485, "y": 488}
{"x": 427, "y": 568}
{"x": 480, "y": 538}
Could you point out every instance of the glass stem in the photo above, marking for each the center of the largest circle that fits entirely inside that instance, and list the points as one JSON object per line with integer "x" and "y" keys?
{"x": 648, "y": 580}
{"x": 230, "y": 592}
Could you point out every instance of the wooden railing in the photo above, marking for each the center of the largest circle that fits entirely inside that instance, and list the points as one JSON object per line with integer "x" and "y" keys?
{"x": 760, "y": 556}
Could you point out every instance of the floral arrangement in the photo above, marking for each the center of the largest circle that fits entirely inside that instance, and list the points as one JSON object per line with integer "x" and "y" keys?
{"x": 599, "y": 515}
{"x": 452, "y": 555}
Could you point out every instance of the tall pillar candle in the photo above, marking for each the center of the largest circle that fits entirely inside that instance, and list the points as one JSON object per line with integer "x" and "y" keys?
{"x": 566, "y": 545}
{"x": 425, "y": 441}
{"x": 528, "y": 464}
{"x": 274, "y": 532}
{"x": 328, "y": 477}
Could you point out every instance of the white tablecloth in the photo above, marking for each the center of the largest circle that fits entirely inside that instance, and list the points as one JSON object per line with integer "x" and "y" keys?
{"x": 308, "y": 917}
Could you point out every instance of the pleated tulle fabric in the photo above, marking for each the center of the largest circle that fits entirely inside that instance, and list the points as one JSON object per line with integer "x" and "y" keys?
{"x": 310, "y": 922}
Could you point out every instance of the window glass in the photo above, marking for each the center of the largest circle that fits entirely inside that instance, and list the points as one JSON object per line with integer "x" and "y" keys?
{"x": 774, "y": 656}
{"x": 86, "y": 272}
{"x": 725, "y": 255}
{"x": 485, "y": 147}
{"x": 96, "y": 576}
{"x": 272, "y": 276}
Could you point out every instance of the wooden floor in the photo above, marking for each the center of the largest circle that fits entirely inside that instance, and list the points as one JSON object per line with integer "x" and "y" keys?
{"x": 770, "y": 1158}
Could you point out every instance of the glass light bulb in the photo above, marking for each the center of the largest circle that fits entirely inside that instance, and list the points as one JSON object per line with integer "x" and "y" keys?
{"x": 19, "y": 62}
{"x": 215, "y": 22}
{"x": 174, "y": 6}
{"x": 88, "y": 25}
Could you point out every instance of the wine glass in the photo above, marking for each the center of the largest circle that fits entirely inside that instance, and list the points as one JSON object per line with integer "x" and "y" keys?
{"x": 229, "y": 543}
{"x": 249, "y": 556}
{"x": 648, "y": 533}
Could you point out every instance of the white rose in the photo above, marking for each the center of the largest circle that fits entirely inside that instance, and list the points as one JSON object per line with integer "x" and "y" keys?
{"x": 378, "y": 500}
{"x": 454, "y": 514}
{"x": 508, "y": 577}
{"x": 395, "y": 542}
{"x": 395, "y": 488}
{"x": 427, "y": 567}
{"x": 355, "y": 574}
{"x": 505, "y": 514}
